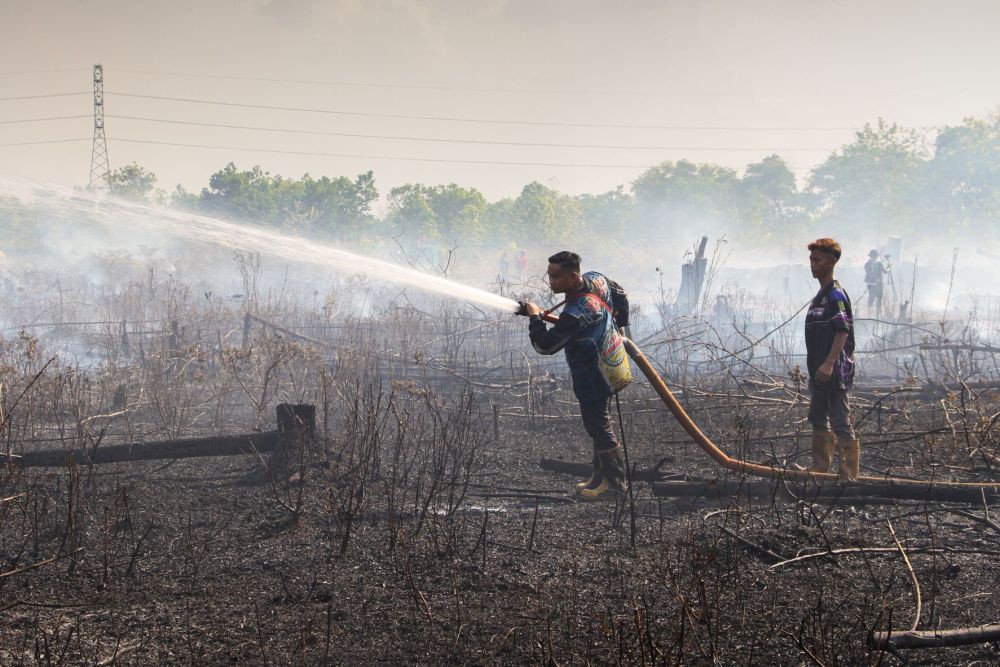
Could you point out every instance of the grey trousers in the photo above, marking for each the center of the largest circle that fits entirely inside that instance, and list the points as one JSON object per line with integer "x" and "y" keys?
{"x": 607, "y": 453}
{"x": 830, "y": 409}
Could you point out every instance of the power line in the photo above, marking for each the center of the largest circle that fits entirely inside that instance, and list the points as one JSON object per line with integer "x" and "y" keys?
{"x": 38, "y": 97}
{"x": 44, "y": 141}
{"x": 417, "y": 86}
{"x": 41, "y": 120}
{"x": 381, "y": 157}
{"x": 463, "y": 141}
{"x": 43, "y": 71}
{"x": 351, "y": 155}
{"x": 457, "y": 119}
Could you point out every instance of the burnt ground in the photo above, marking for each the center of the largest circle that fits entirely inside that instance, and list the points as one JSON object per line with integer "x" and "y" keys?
{"x": 419, "y": 527}
{"x": 427, "y": 532}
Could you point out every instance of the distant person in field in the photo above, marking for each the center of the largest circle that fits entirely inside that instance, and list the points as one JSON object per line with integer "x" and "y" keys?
{"x": 830, "y": 359}
{"x": 521, "y": 264}
{"x": 875, "y": 271}
{"x": 590, "y": 328}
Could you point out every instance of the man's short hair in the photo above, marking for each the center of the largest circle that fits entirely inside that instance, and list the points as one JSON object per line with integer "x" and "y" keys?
{"x": 567, "y": 260}
{"x": 829, "y": 246}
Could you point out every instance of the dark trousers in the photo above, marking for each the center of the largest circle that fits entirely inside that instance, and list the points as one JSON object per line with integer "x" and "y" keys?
{"x": 830, "y": 409}
{"x": 875, "y": 297}
{"x": 607, "y": 453}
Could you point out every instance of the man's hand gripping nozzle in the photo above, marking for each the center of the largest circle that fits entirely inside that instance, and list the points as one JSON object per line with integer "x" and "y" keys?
{"x": 527, "y": 309}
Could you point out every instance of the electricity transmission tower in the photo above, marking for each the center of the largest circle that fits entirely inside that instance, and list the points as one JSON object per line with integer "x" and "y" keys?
{"x": 100, "y": 168}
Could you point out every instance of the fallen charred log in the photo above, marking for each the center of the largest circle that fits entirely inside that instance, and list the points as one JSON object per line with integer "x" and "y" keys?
{"x": 823, "y": 491}
{"x": 167, "y": 449}
{"x": 935, "y": 638}
{"x": 584, "y": 469}
{"x": 789, "y": 489}
{"x": 295, "y": 422}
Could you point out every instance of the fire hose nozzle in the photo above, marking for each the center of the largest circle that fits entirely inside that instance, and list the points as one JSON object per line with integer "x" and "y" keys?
{"x": 521, "y": 310}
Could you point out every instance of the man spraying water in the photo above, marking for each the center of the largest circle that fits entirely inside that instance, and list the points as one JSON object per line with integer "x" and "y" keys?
{"x": 589, "y": 329}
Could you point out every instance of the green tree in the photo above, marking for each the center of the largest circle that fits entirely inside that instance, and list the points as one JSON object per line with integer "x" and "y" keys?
{"x": 870, "y": 185}
{"x": 446, "y": 212}
{"x": 609, "y": 213}
{"x": 181, "y": 198}
{"x": 410, "y": 212}
{"x": 248, "y": 195}
{"x": 676, "y": 195}
{"x": 542, "y": 214}
{"x": 338, "y": 207}
{"x": 964, "y": 175}
{"x": 497, "y": 221}
{"x": 769, "y": 203}
{"x": 458, "y": 212}
{"x": 135, "y": 183}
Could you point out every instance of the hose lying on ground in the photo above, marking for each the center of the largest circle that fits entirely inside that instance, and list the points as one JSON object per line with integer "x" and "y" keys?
{"x": 759, "y": 469}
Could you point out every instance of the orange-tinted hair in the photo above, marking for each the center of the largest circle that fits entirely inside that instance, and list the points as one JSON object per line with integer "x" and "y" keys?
{"x": 829, "y": 246}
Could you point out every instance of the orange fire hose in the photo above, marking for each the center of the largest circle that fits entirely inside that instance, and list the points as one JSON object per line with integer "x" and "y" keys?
{"x": 759, "y": 469}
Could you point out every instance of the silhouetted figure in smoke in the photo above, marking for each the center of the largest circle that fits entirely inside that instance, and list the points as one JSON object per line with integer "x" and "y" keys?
{"x": 875, "y": 272}
{"x": 521, "y": 264}
{"x": 830, "y": 359}
{"x": 590, "y": 330}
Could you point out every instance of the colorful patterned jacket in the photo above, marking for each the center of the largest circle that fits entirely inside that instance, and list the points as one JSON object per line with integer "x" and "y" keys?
{"x": 582, "y": 327}
{"x": 830, "y": 313}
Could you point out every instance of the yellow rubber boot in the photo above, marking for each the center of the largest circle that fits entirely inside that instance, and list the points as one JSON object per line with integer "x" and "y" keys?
{"x": 823, "y": 443}
{"x": 596, "y": 463}
{"x": 608, "y": 481}
{"x": 604, "y": 487}
{"x": 850, "y": 460}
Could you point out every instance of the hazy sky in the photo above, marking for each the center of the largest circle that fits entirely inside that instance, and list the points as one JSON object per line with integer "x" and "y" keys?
{"x": 573, "y": 72}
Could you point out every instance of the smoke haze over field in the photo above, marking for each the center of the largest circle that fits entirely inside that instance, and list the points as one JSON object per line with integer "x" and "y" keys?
{"x": 804, "y": 67}
{"x": 579, "y": 97}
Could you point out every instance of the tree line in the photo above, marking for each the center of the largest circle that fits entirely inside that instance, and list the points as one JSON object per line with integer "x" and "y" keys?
{"x": 889, "y": 178}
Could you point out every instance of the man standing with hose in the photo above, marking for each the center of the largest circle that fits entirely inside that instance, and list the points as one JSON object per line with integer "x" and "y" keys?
{"x": 830, "y": 359}
{"x": 590, "y": 331}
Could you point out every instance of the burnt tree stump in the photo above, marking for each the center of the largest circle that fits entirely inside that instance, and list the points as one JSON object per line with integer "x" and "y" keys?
{"x": 296, "y": 437}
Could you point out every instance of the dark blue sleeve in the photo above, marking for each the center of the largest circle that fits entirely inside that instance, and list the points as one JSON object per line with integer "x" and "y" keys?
{"x": 550, "y": 341}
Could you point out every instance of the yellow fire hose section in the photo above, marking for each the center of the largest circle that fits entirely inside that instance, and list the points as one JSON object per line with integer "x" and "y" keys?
{"x": 758, "y": 469}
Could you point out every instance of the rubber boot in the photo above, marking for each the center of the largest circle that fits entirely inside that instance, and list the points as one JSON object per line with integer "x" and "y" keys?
{"x": 850, "y": 461}
{"x": 595, "y": 462}
{"x": 604, "y": 487}
{"x": 823, "y": 443}
{"x": 609, "y": 478}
